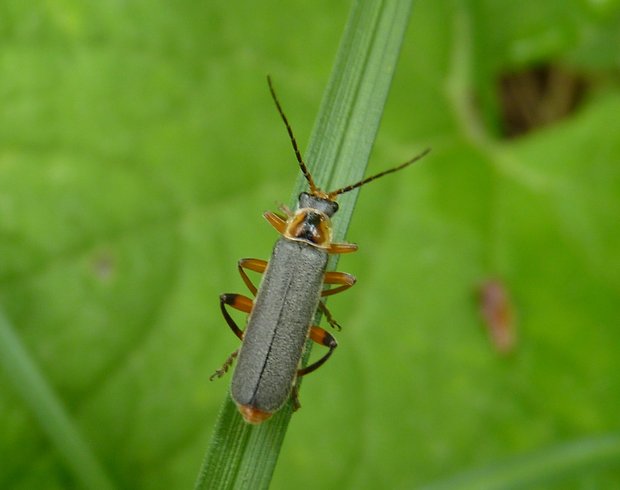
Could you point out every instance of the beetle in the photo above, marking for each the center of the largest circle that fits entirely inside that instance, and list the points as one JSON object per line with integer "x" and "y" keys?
{"x": 280, "y": 317}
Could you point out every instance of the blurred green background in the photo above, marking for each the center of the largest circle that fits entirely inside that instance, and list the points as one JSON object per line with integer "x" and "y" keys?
{"x": 138, "y": 149}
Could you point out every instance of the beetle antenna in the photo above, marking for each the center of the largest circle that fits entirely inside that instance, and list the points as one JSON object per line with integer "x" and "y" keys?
{"x": 333, "y": 194}
{"x": 302, "y": 165}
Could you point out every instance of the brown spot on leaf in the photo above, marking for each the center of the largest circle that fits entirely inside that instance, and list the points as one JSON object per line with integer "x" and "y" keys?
{"x": 497, "y": 312}
{"x": 538, "y": 96}
{"x": 103, "y": 264}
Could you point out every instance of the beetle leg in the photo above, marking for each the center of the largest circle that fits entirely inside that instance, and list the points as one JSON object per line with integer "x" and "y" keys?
{"x": 320, "y": 336}
{"x": 239, "y": 302}
{"x": 286, "y": 210}
{"x": 256, "y": 265}
{"x": 276, "y": 221}
{"x": 328, "y": 316}
{"x": 227, "y": 363}
{"x": 344, "y": 279}
{"x": 341, "y": 248}
{"x": 295, "y": 395}
{"x": 323, "y": 337}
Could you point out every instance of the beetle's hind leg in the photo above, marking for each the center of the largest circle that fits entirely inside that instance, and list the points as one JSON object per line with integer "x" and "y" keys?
{"x": 295, "y": 396}
{"x": 238, "y": 302}
{"x": 241, "y": 303}
{"x": 225, "y": 367}
{"x": 320, "y": 336}
{"x": 323, "y": 337}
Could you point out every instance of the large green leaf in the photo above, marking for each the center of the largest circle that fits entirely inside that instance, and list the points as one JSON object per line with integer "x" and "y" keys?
{"x": 138, "y": 147}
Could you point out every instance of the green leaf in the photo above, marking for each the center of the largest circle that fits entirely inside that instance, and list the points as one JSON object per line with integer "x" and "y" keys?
{"x": 48, "y": 410}
{"x": 138, "y": 149}
{"x": 566, "y": 460}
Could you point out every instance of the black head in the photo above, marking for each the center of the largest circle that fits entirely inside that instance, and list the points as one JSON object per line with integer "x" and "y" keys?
{"x": 327, "y": 206}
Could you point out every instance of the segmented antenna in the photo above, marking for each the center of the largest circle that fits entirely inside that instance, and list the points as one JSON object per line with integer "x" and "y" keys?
{"x": 302, "y": 165}
{"x": 304, "y": 169}
{"x": 332, "y": 194}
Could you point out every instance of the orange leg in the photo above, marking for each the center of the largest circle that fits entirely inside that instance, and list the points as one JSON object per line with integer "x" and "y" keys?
{"x": 238, "y": 302}
{"x": 343, "y": 278}
{"x": 256, "y": 265}
{"x": 276, "y": 221}
{"x": 323, "y": 337}
{"x": 241, "y": 303}
{"x": 341, "y": 248}
{"x": 320, "y": 336}
{"x": 346, "y": 281}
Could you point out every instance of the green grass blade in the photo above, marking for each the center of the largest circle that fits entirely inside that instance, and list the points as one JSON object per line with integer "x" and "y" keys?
{"x": 48, "y": 410}
{"x": 354, "y": 99}
{"x": 241, "y": 456}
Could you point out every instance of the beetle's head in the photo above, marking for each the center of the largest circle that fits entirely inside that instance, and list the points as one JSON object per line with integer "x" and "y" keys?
{"x": 315, "y": 201}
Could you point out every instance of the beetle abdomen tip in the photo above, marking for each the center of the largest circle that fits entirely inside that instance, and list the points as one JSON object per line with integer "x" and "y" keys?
{"x": 253, "y": 415}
